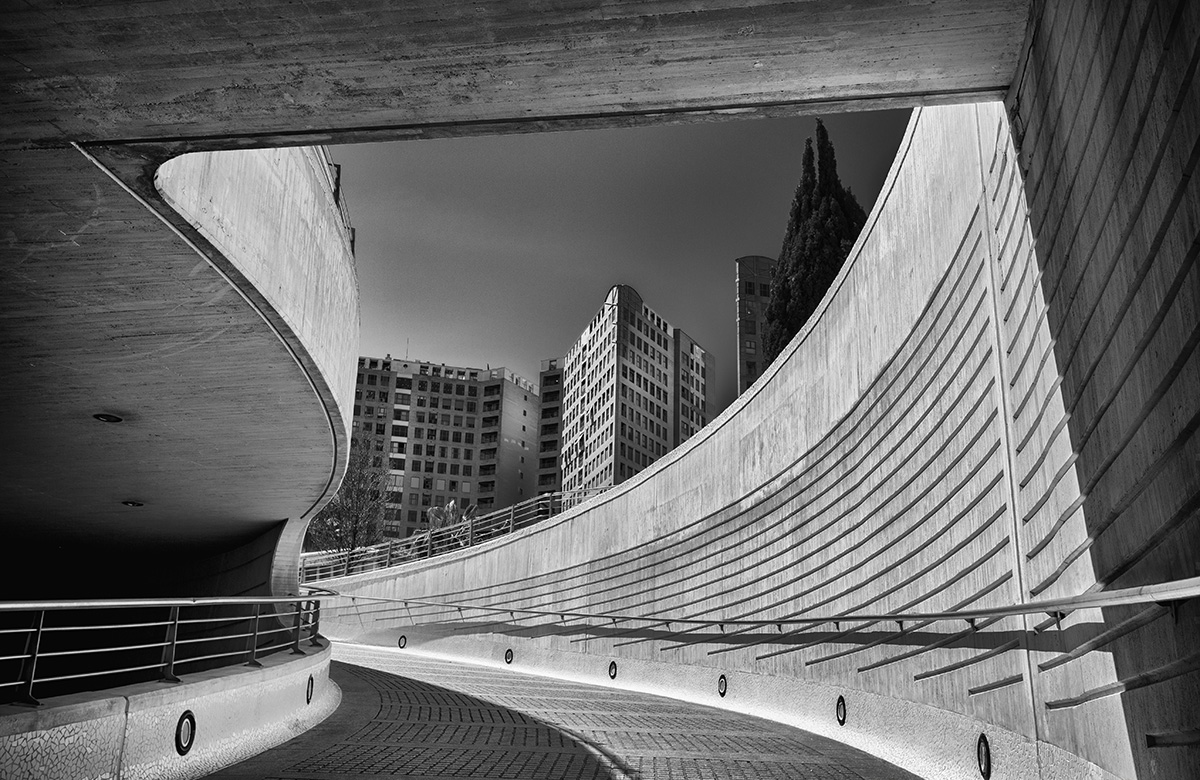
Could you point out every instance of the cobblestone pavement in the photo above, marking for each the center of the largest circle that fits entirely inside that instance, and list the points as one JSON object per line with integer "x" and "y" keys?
{"x": 408, "y": 716}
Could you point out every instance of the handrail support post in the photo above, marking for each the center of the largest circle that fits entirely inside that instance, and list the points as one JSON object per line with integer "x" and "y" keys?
{"x": 315, "y": 625}
{"x": 296, "y": 630}
{"x": 33, "y": 643}
{"x": 168, "y": 656}
{"x": 252, "y": 640}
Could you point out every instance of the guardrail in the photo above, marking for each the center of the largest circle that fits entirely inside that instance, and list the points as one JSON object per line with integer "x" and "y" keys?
{"x": 680, "y": 631}
{"x": 317, "y": 566}
{"x": 52, "y": 648}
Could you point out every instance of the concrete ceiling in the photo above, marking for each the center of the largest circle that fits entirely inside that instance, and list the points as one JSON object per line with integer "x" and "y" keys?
{"x": 122, "y": 71}
{"x": 106, "y": 310}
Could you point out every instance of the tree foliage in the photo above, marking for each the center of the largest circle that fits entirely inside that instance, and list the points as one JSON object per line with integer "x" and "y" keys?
{"x": 824, "y": 222}
{"x": 354, "y": 518}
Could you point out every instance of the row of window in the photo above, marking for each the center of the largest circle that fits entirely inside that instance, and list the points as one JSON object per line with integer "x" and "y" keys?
{"x": 762, "y": 289}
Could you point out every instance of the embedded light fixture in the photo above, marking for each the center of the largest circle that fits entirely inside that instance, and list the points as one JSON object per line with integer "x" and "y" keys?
{"x": 133, "y": 503}
{"x": 109, "y": 418}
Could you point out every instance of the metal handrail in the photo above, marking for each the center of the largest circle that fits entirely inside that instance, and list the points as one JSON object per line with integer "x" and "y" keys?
{"x": 322, "y": 565}
{"x": 69, "y": 656}
{"x": 1160, "y": 593}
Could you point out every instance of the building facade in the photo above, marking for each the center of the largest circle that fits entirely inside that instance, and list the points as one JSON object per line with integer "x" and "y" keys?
{"x": 549, "y": 471}
{"x": 445, "y": 433}
{"x": 753, "y": 292}
{"x": 633, "y": 388}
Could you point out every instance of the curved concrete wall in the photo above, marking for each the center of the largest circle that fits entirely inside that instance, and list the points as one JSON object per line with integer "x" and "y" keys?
{"x": 907, "y": 453}
{"x": 130, "y": 732}
{"x": 277, "y": 217}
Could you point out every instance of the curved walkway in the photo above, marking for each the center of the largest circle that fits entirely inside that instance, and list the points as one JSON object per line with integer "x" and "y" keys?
{"x": 417, "y": 717}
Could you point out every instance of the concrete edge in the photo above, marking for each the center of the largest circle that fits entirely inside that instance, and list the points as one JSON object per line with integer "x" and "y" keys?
{"x": 131, "y": 732}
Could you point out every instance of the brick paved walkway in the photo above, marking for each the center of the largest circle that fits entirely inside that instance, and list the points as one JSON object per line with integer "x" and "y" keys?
{"x": 403, "y": 715}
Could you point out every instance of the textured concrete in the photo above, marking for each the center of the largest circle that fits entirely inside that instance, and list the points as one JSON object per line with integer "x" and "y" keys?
{"x": 130, "y": 732}
{"x": 107, "y": 309}
{"x": 994, "y": 410}
{"x": 883, "y": 464}
{"x": 412, "y": 716}
{"x": 376, "y": 70}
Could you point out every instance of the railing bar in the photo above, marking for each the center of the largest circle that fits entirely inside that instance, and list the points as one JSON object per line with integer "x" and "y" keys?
{"x": 198, "y": 639}
{"x": 179, "y": 661}
{"x": 1160, "y": 592}
{"x": 89, "y": 650}
{"x": 200, "y": 601}
{"x": 15, "y": 657}
{"x": 97, "y": 674}
{"x": 114, "y": 625}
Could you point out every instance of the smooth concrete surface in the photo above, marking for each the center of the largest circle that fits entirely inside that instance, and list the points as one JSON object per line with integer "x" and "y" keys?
{"x": 130, "y": 732}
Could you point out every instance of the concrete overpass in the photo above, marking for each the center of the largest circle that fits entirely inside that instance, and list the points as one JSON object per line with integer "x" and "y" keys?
{"x": 126, "y": 297}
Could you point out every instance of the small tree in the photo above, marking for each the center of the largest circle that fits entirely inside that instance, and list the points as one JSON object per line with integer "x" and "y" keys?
{"x": 354, "y": 518}
{"x": 824, "y": 222}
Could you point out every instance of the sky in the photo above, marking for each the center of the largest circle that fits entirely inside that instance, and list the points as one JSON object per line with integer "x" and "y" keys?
{"x": 499, "y": 250}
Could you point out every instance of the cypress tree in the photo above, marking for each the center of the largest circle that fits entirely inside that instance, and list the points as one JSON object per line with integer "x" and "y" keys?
{"x": 823, "y": 224}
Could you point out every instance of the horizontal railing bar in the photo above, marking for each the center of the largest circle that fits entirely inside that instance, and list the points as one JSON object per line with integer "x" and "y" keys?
{"x": 205, "y": 601}
{"x": 236, "y": 618}
{"x": 110, "y": 626}
{"x": 90, "y": 650}
{"x": 199, "y": 639}
{"x": 179, "y": 661}
{"x": 1176, "y": 590}
{"x": 14, "y": 657}
{"x": 97, "y": 674}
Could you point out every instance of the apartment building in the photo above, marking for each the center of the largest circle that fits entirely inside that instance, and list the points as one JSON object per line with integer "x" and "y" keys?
{"x": 549, "y": 471}
{"x": 446, "y": 433}
{"x": 633, "y": 388}
{"x": 753, "y": 293}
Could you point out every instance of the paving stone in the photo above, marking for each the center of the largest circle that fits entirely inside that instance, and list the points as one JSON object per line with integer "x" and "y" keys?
{"x": 403, "y": 715}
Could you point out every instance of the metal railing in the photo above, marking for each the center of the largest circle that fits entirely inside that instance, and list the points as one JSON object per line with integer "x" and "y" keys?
{"x": 52, "y": 648}
{"x": 429, "y": 611}
{"x": 317, "y": 566}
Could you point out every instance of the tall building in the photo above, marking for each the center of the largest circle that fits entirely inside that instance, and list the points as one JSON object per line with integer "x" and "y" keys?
{"x": 448, "y": 433}
{"x": 549, "y": 472}
{"x": 633, "y": 388}
{"x": 753, "y": 292}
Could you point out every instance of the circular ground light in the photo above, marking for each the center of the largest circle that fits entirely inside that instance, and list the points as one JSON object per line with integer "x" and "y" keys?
{"x": 983, "y": 754}
{"x": 185, "y": 733}
{"x": 612, "y": 670}
{"x": 508, "y": 656}
{"x": 722, "y": 686}
{"x": 840, "y": 710}
{"x": 308, "y": 691}
{"x": 402, "y": 641}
